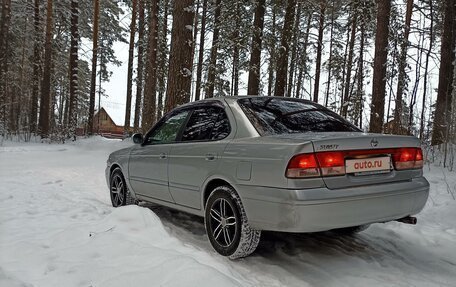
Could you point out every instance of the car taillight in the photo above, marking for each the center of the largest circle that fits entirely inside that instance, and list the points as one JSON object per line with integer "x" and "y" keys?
{"x": 303, "y": 165}
{"x": 331, "y": 163}
{"x": 316, "y": 164}
{"x": 408, "y": 158}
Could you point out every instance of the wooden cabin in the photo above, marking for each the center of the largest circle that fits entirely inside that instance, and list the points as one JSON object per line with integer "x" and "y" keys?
{"x": 103, "y": 125}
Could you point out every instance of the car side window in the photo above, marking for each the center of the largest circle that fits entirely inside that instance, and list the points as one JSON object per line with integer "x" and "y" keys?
{"x": 209, "y": 123}
{"x": 167, "y": 132}
{"x": 222, "y": 127}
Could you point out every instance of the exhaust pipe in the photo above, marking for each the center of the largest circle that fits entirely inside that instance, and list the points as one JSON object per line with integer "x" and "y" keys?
{"x": 408, "y": 220}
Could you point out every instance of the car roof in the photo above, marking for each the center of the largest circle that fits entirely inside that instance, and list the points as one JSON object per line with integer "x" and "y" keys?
{"x": 231, "y": 99}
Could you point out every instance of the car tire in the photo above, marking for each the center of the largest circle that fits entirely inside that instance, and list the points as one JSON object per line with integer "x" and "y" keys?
{"x": 118, "y": 190}
{"x": 351, "y": 230}
{"x": 227, "y": 226}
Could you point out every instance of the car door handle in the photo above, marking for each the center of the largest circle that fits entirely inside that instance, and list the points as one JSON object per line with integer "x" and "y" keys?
{"x": 162, "y": 155}
{"x": 210, "y": 156}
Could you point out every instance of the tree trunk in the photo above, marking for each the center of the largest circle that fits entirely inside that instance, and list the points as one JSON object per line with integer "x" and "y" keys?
{"x": 445, "y": 76}
{"x": 331, "y": 43}
{"x": 93, "y": 78}
{"x": 235, "y": 36}
{"x": 401, "y": 81}
{"x": 199, "y": 67}
{"x": 140, "y": 72}
{"x": 195, "y": 29}
{"x": 253, "y": 86}
{"x": 195, "y": 38}
{"x": 72, "y": 114}
{"x": 389, "y": 129}
{"x": 426, "y": 68}
{"x": 418, "y": 65}
{"x": 321, "y": 27}
{"x": 46, "y": 85}
{"x": 380, "y": 59}
{"x": 303, "y": 59}
{"x": 360, "y": 84}
{"x": 346, "y": 95}
{"x": 130, "y": 65}
{"x": 22, "y": 90}
{"x": 162, "y": 58}
{"x": 4, "y": 37}
{"x": 282, "y": 63}
{"x": 210, "y": 85}
{"x": 272, "y": 55}
{"x": 180, "y": 59}
{"x": 36, "y": 68}
{"x": 294, "y": 50}
{"x": 150, "y": 90}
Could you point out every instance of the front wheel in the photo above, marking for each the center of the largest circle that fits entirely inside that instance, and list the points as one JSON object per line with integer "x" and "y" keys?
{"x": 226, "y": 224}
{"x": 120, "y": 195}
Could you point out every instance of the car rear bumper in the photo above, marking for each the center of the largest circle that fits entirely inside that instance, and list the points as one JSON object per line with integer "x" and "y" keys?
{"x": 312, "y": 210}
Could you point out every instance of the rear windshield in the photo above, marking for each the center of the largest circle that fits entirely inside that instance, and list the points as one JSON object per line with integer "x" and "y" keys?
{"x": 285, "y": 116}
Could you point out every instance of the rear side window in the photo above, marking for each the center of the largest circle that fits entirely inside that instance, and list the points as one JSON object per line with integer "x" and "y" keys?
{"x": 284, "y": 116}
{"x": 206, "y": 124}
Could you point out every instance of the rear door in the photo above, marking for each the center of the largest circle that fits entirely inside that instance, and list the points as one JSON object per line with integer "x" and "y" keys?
{"x": 148, "y": 166}
{"x": 197, "y": 155}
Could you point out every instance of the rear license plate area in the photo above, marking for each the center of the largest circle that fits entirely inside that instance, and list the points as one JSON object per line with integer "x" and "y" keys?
{"x": 368, "y": 166}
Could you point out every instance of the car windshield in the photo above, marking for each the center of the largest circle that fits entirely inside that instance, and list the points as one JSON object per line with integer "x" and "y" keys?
{"x": 284, "y": 116}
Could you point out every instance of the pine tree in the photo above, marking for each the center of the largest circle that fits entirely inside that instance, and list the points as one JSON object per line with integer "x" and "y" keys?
{"x": 348, "y": 73}
{"x": 282, "y": 63}
{"x": 4, "y": 47}
{"x": 426, "y": 69}
{"x": 74, "y": 59}
{"x": 321, "y": 27}
{"x": 130, "y": 65}
{"x": 210, "y": 85}
{"x": 271, "y": 43}
{"x": 44, "y": 122}
{"x": 401, "y": 82}
{"x": 381, "y": 54}
{"x": 294, "y": 50}
{"x": 302, "y": 62}
{"x": 162, "y": 56}
{"x": 140, "y": 74}
{"x": 180, "y": 65}
{"x": 150, "y": 91}
{"x": 199, "y": 67}
{"x": 445, "y": 88}
{"x": 36, "y": 67}
{"x": 96, "y": 15}
{"x": 253, "y": 87}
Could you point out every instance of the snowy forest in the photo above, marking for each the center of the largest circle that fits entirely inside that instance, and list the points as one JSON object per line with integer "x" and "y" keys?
{"x": 386, "y": 66}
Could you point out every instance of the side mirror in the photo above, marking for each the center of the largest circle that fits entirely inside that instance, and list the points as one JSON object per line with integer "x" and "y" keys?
{"x": 138, "y": 138}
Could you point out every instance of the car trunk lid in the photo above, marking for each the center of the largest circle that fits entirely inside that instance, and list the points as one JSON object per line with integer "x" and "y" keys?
{"x": 368, "y": 157}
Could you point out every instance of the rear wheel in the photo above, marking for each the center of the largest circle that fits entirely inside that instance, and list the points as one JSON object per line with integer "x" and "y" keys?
{"x": 120, "y": 195}
{"x": 226, "y": 224}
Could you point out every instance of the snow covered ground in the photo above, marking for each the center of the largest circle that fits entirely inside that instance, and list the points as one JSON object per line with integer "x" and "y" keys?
{"x": 57, "y": 228}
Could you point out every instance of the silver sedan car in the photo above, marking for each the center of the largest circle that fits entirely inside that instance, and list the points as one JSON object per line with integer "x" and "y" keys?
{"x": 248, "y": 164}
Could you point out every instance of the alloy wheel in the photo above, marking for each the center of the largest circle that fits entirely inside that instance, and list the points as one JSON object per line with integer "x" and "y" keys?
{"x": 117, "y": 190}
{"x": 223, "y": 222}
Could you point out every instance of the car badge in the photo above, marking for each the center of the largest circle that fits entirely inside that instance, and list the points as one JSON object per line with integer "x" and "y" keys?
{"x": 374, "y": 142}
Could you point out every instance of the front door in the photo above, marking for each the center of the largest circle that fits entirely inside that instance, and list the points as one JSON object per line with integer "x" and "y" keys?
{"x": 148, "y": 167}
